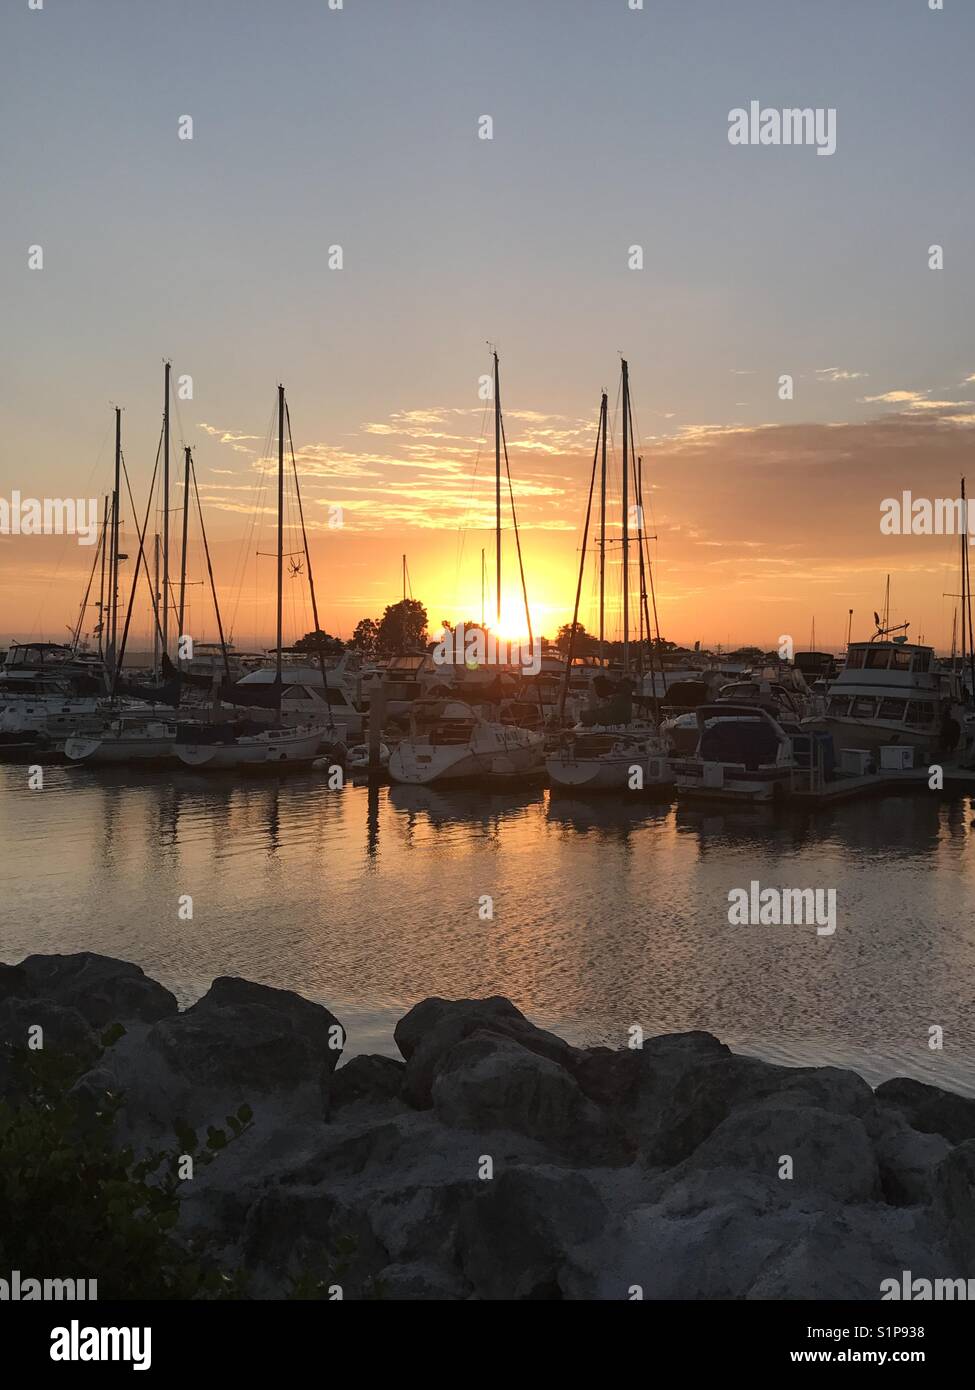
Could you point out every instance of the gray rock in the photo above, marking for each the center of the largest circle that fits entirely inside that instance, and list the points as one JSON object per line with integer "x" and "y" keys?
{"x": 515, "y": 1238}
{"x": 487, "y": 1083}
{"x": 63, "y": 1029}
{"x": 103, "y": 990}
{"x": 929, "y": 1109}
{"x": 831, "y": 1154}
{"x": 241, "y": 1036}
{"x": 420, "y": 1280}
{"x": 368, "y": 1077}
{"x": 954, "y": 1201}
{"x": 907, "y": 1159}
{"x": 428, "y": 1032}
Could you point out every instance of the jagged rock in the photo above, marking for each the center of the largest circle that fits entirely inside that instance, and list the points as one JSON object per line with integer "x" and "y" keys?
{"x": 488, "y": 1083}
{"x": 430, "y": 1029}
{"x": 243, "y": 1036}
{"x": 103, "y": 990}
{"x": 368, "y": 1077}
{"x": 63, "y": 1029}
{"x": 907, "y": 1159}
{"x": 831, "y": 1154}
{"x": 515, "y": 1237}
{"x": 14, "y": 983}
{"x": 420, "y": 1280}
{"x": 241, "y": 1043}
{"x": 955, "y": 1202}
{"x": 929, "y": 1109}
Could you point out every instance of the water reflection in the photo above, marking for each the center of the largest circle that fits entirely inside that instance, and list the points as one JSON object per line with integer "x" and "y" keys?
{"x": 606, "y": 911}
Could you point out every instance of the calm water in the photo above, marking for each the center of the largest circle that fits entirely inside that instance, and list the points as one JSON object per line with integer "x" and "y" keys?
{"x": 607, "y": 913}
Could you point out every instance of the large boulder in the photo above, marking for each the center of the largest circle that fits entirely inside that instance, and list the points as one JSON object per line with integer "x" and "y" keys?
{"x": 930, "y": 1110}
{"x": 428, "y": 1032}
{"x": 369, "y": 1078}
{"x": 954, "y": 1201}
{"x": 103, "y": 990}
{"x": 517, "y": 1237}
{"x": 487, "y": 1083}
{"x": 831, "y": 1154}
{"x": 242, "y": 1043}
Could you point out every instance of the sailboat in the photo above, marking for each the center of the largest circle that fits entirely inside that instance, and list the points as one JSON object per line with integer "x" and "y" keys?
{"x": 449, "y": 740}
{"x": 278, "y": 747}
{"x": 133, "y": 727}
{"x": 612, "y": 752}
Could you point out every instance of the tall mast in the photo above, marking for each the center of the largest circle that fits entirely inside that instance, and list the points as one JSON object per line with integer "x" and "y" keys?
{"x": 497, "y": 481}
{"x": 277, "y": 664}
{"x": 101, "y": 590}
{"x": 404, "y": 578}
{"x": 155, "y": 601}
{"x": 165, "y": 619}
{"x": 113, "y": 563}
{"x": 482, "y": 586}
{"x": 603, "y": 412}
{"x": 182, "y": 553}
{"x": 626, "y": 518}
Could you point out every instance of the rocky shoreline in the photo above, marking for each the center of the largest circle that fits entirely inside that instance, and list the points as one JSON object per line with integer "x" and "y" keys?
{"x": 495, "y": 1161}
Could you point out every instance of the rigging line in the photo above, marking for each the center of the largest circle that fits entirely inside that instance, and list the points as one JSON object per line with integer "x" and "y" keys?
{"x": 582, "y": 566}
{"x": 514, "y": 518}
{"x": 311, "y": 577}
{"x": 76, "y": 633}
{"x": 646, "y": 573}
{"x": 462, "y": 529}
{"x": 135, "y": 582}
{"x": 240, "y": 568}
{"x": 213, "y": 586}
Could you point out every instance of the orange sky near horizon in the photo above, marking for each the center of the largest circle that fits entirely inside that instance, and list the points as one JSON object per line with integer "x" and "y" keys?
{"x": 759, "y": 530}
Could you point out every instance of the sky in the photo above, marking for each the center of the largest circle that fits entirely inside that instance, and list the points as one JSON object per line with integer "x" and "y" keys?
{"x": 358, "y": 128}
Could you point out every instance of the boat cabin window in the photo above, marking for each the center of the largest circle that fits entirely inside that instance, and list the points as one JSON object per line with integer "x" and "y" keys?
{"x": 901, "y": 659}
{"x": 854, "y": 659}
{"x": 864, "y": 707}
{"x": 922, "y": 661}
{"x": 892, "y": 710}
{"x": 878, "y": 659}
{"x": 920, "y": 712}
{"x": 839, "y": 706}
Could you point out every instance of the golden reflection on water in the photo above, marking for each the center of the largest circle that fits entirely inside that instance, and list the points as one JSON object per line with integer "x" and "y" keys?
{"x": 607, "y": 911}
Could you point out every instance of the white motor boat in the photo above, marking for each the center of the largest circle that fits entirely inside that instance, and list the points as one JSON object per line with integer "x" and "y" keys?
{"x": 743, "y": 754}
{"x": 611, "y": 758}
{"x": 890, "y": 691}
{"x": 217, "y": 748}
{"x": 125, "y": 740}
{"x": 450, "y": 742}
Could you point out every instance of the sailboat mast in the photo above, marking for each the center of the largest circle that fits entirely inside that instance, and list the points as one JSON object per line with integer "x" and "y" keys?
{"x": 113, "y": 563}
{"x": 482, "y": 587}
{"x": 155, "y": 599}
{"x": 603, "y": 413}
{"x": 277, "y": 664}
{"x": 101, "y": 588}
{"x": 182, "y": 553}
{"x": 165, "y": 621}
{"x": 626, "y": 518}
{"x": 497, "y": 481}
